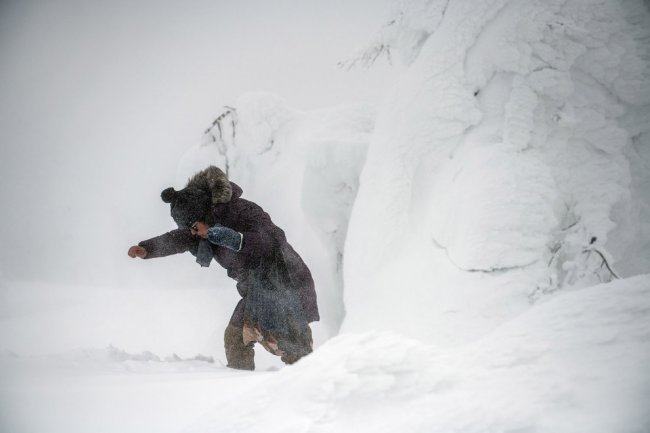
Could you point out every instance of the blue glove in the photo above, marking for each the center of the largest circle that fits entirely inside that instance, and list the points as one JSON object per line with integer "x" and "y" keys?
{"x": 225, "y": 237}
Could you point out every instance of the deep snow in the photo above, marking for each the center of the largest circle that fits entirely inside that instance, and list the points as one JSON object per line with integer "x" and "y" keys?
{"x": 570, "y": 364}
{"x": 575, "y": 362}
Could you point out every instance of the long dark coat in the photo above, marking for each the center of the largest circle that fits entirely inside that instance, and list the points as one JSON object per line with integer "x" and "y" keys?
{"x": 276, "y": 286}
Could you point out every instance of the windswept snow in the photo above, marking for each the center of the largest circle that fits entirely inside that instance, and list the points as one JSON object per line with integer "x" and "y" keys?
{"x": 574, "y": 362}
{"x": 569, "y": 364}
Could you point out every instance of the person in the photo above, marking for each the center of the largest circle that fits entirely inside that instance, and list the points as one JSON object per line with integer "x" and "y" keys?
{"x": 278, "y": 297}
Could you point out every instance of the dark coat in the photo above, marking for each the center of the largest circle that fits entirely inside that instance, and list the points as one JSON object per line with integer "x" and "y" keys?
{"x": 276, "y": 286}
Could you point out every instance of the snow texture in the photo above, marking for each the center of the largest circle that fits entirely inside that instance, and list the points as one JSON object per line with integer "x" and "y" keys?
{"x": 517, "y": 126}
{"x": 569, "y": 364}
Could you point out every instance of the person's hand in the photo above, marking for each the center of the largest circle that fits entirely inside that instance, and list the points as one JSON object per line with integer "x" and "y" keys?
{"x": 137, "y": 251}
{"x": 225, "y": 237}
{"x": 200, "y": 229}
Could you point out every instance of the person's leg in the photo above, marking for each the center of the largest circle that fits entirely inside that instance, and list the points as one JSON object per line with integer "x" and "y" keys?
{"x": 289, "y": 348}
{"x": 239, "y": 355}
{"x": 299, "y": 345}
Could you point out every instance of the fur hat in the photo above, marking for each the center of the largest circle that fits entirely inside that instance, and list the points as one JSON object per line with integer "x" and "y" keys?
{"x": 194, "y": 202}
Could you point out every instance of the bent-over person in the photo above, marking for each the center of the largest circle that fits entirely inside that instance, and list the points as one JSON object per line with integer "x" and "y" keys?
{"x": 277, "y": 289}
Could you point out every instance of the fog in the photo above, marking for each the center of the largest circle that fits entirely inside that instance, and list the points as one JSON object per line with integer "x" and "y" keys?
{"x": 99, "y": 100}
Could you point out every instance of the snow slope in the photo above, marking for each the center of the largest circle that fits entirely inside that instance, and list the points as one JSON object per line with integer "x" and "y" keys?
{"x": 570, "y": 364}
{"x": 577, "y": 361}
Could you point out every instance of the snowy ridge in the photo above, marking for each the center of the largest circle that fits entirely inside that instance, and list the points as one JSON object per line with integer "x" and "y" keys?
{"x": 569, "y": 364}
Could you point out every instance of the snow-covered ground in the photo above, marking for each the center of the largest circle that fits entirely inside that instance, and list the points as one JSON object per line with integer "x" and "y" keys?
{"x": 480, "y": 243}
{"x": 575, "y": 362}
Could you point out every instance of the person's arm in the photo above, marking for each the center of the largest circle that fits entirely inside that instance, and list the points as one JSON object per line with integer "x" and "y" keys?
{"x": 254, "y": 237}
{"x": 174, "y": 242}
{"x": 258, "y": 231}
{"x": 219, "y": 235}
{"x": 225, "y": 237}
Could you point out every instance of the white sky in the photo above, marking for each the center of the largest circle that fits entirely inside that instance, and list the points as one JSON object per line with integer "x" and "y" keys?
{"x": 98, "y": 101}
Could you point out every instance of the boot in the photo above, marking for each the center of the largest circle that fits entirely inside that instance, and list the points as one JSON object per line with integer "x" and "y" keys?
{"x": 239, "y": 355}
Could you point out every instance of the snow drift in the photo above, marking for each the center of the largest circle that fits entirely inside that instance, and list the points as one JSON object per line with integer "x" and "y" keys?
{"x": 570, "y": 364}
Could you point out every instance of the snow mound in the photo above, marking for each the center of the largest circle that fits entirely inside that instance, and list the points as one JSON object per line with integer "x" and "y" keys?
{"x": 572, "y": 363}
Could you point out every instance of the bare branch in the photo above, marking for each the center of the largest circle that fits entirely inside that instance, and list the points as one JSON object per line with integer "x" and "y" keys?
{"x": 604, "y": 262}
{"x": 367, "y": 57}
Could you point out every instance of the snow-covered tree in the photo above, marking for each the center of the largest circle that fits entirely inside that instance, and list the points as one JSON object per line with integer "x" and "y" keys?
{"x": 303, "y": 168}
{"x": 510, "y": 161}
